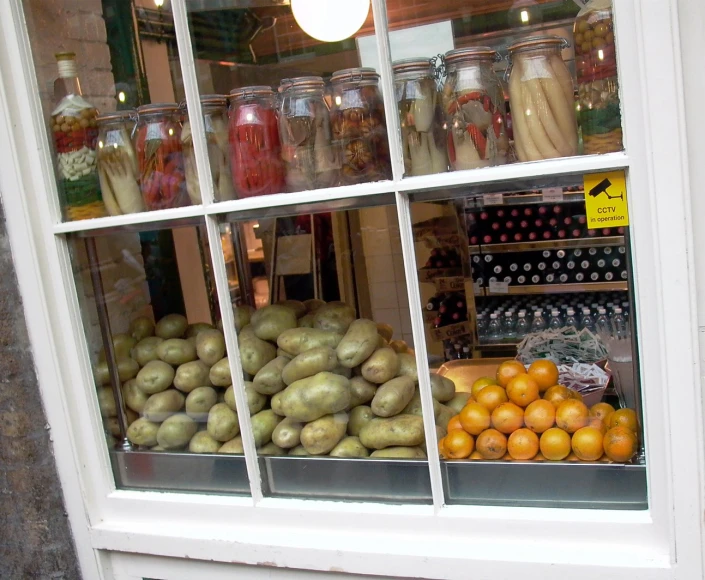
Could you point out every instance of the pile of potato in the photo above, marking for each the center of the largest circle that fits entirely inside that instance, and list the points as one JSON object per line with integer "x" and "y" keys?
{"x": 318, "y": 382}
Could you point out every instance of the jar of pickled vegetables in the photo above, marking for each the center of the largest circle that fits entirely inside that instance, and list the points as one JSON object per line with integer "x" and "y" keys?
{"x": 598, "y": 89}
{"x": 255, "y": 150}
{"x": 359, "y": 125}
{"x": 160, "y": 157}
{"x": 541, "y": 98}
{"x": 310, "y": 159}
{"x": 422, "y": 127}
{"x": 118, "y": 169}
{"x": 215, "y": 120}
{"x": 473, "y": 105}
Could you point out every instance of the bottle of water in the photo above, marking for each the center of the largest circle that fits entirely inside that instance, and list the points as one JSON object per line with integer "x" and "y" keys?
{"x": 602, "y": 324}
{"x": 619, "y": 324}
{"x": 522, "y": 326}
{"x": 586, "y": 320}
{"x": 466, "y": 352}
{"x": 457, "y": 354}
{"x": 555, "y": 321}
{"x": 539, "y": 322}
{"x": 494, "y": 329}
{"x": 508, "y": 324}
{"x": 481, "y": 327}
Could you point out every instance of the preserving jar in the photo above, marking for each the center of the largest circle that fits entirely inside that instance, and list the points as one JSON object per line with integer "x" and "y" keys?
{"x": 541, "y": 98}
{"x": 118, "y": 169}
{"x": 359, "y": 126}
{"x": 420, "y": 116}
{"x": 598, "y": 87}
{"x": 215, "y": 120}
{"x": 255, "y": 150}
{"x": 160, "y": 157}
{"x": 310, "y": 159}
{"x": 474, "y": 109}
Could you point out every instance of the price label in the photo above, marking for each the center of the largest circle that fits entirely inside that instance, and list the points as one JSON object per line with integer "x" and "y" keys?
{"x": 552, "y": 194}
{"x": 477, "y": 288}
{"x": 493, "y": 199}
{"x": 499, "y": 287}
{"x": 450, "y": 284}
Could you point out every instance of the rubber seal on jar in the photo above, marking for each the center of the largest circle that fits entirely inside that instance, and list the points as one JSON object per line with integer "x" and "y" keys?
{"x": 251, "y": 92}
{"x": 157, "y": 108}
{"x": 533, "y": 42}
{"x": 115, "y": 116}
{"x": 472, "y": 53}
{"x": 354, "y": 75}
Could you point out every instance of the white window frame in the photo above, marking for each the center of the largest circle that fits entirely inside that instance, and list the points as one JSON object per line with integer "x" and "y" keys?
{"x": 400, "y": 541}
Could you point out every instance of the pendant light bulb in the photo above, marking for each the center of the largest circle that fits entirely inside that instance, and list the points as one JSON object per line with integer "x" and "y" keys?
{"x": 330, "y": 20}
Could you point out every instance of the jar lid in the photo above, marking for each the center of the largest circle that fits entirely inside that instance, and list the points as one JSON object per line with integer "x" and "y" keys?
{"x": 354, "y": 74}
{"x": 251, "y": 92}
{"x": 311, "y": 82}
{"x": 470, "y": 53}
{"x": 115, "y": 116}
{"x": 155, "y": 108}
{"x": 537, "y": 42}
{"x": 408, "y": 65}
{"x": 214, "y": 100}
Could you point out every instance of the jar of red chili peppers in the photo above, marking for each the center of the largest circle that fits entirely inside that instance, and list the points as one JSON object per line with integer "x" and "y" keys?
{"x": 255, "y": 150}
{"x": 473, "y": 103}
{"x": 359, "y": 127}
{"x": 160, "y": 158}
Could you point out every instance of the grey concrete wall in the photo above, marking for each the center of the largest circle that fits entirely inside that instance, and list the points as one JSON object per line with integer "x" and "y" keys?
{"x": 35, "y": 538}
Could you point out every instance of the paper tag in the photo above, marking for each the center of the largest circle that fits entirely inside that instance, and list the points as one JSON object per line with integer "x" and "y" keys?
{"x": 552, "y": 194}
{"x": 450, "y": 284}
{"x": 477, "y": 288}
{"x": 493, "y": 199}
{"x": 499, "y": 287}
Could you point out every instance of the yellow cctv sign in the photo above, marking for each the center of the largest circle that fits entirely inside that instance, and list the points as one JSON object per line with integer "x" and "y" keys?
{"x": 606, "y": 200}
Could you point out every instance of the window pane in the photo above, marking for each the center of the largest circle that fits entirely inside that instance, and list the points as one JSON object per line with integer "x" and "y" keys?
{"x": 488, "y": 83}
{"x": 152, "y": 291}
{"x": 325, "y": 337}
{"x": 529, "y": 312}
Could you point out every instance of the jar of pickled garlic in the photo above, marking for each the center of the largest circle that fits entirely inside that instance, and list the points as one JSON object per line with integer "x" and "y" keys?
{"x": 474, "y": 109}
{"x": 359, "y": 125}
{"x": 160, "y": 157}
{"x": 255, "y": 150}
{"x": 118, "y": 169}
{"x": 311, "y": 160}
{"x": 215, "y": 120}
{"x": 541, "y": 99}
{"x": 598, "y": 87}
{"x": 422, "y": 126}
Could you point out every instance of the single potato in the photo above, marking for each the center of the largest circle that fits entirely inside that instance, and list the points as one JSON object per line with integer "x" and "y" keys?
{"x": 127, "y": 369}
{"x": 191, "y": 375}
{"x": 193, "y": 329}
{"x": 287, "y": 433}
{"x": 359, "y": 342}
{"x": 443, "y": 389}
{"x": 309, "y": 363}
{"x": 219, "y": 374}
{"x": 298, "y": 340}
{"x": 269, "y": 322}
{"x": 242, "y": 315}
{"x": 176, "y": 432}
{"x": 255, "y": 401}
{"x": 233, "y": 447}
{"x": 299, "y": 451}
{"x": 135, "y": 398}
{"x": 171, "y": 326}
{"x": 162, "y": 405}
{"x": 271, "y": 449}
{"x": 445, "y": 415}
{"x": 268, "y": 380}
{"x": 311, "y": 398}
{"x": 381, "y": 367}
{"x": 361, "y": 392}
{"x": 298, "y": 307}
{"x": 458, "y": 402}
{"x": 399, "y": 453}
{"x": 154, "y": 377}
{"x": 222, "y": 423}
{"x": 176, "y": 351}
{"x": 146, "y": 350}
{"x": 407, "y": 366}
{"x": 263, "y": 425}
{"x": 334, "y": 316}
{"x": 359, "y": 417}
{"x": 402, "y": 430}
{"x": 106, "y": 402}
{"x": 143, "y": 432}
{"x": 313, "y": 304}
{"x": 322, "y": 435}
{"x": 254, "y": 352}
{"x": 122, "y": 345}
{"x": 141, "y": 327}
{"x": 350, "y": 447}
{"x": 306, "y": 321}
{"x": 199, "y": 402}
{"x": 202, "y": 442}
{"x": 210, "y": 346}
{"x": 391, "y": 398}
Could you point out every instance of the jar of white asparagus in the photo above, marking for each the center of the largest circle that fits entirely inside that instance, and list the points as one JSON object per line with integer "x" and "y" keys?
{"x": 422, "y": 127}
{"x": 475, "y": 113}
{"x": 215, "y": 120}
{"x": 311, "y": 160}
{"x": 118, "y": 170}
{"x": 541, "y": 98}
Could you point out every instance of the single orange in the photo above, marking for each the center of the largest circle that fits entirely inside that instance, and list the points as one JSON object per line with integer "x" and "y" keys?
{"x": 454, "y": 423}
{"x": 601, "y": 410}
{"x": 587, "y": 444}
{"x": 523, "y": 444}
{"x": 480, "y": 384}
{"x": 491, "y": 397}
{"x": 555, "y": 444}
{"x": 624, "y": 418}
{"x": 572, "y": 415}
{"x": 508, "y": 417}
{"x": 474, "y": 418}
{"x": 508, "y": 370}
{"x": 491, "y": 444}
{"x": 556, "y": 395}
{"x": 522, "y": 390}
{"x": 620, "y": 444}
{"x": 545, "y": 373}
{"x": 597, "y": 423}
{"x": 539, "y": 416}
{"x": 458, "y": 444}
{"x": 442, "y": 448}
{"x": 476, "y": 455}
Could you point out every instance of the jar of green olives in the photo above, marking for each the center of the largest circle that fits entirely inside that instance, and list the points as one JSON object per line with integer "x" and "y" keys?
{"x": 598, "y": 87}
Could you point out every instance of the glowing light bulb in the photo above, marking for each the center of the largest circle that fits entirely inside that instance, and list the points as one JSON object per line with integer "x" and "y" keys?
{"x": 528, "y": 112}
{"x": 338, "y": 100}
{"x": 122, "y": 96}
{"x": 601, "y": 54}
{"x": 330, "y": 20}
{"x": 249, "y": 117}
{"x": 524, "y": 15}
{"x": 171, "y": 132}
{"x": 159, "y": 3}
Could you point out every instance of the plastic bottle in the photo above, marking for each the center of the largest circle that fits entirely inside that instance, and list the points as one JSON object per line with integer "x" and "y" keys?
{"x": 619, "y": 324}
{"x": 508, "y": 324}
{"x": 570, "y": 319}
{"x": 466, "y": 352}
{"x": 555, "y": 321}
{"x": 457, "y": 354}
{"x": 602, "y": 324}
{"x": 522, "y": 325}
{"x": 481, "y": 327}
{"x": 586, "y": 321}
{"x": 538, "y": 324}
{"x": 494, "y": 329}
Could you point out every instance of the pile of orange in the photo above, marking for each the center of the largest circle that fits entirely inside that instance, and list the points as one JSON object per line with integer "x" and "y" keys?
{"x": 524, "y": 414}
